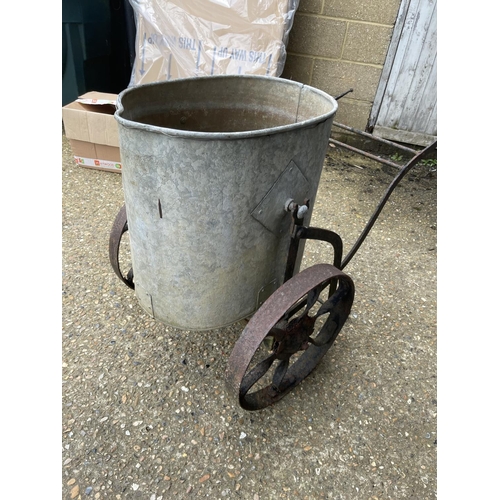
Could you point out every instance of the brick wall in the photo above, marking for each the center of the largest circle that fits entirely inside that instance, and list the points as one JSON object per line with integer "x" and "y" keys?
{"x": 336, "y": 45}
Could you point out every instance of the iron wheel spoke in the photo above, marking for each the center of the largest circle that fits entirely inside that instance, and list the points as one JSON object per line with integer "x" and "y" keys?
{"x": 295, "y": 309}
{"x": 279, "y": 373}
{"x": 330, "y": 305}
{"x": 256, "y": 373}
{"x": 313, "y": 297}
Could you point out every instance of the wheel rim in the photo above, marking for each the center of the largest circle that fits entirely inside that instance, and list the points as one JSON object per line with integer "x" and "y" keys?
{"x": 295, "y": 351}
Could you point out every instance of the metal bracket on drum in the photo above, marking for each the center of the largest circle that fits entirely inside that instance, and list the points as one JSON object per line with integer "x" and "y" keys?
{"x": 312, "y": 233}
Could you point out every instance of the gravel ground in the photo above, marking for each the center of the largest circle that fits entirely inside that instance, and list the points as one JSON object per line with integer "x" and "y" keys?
{"x": 145, "y": 413}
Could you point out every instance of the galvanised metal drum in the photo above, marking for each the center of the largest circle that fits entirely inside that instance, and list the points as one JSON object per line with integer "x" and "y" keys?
{"x": 210, "y": 167}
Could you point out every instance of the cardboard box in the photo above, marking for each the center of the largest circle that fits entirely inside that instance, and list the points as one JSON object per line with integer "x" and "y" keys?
{"x": 92, "y": 131}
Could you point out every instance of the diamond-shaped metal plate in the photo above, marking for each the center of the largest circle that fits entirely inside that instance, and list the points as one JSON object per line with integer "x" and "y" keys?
{"x": 291, "y": 184}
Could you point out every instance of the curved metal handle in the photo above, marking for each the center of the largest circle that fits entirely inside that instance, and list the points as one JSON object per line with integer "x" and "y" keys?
{"x": 404, "y": 170}
{"x": 120, "y": 227}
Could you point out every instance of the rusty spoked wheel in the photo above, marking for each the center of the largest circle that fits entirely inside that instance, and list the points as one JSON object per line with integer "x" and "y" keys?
{"x": 288, "y": 335}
